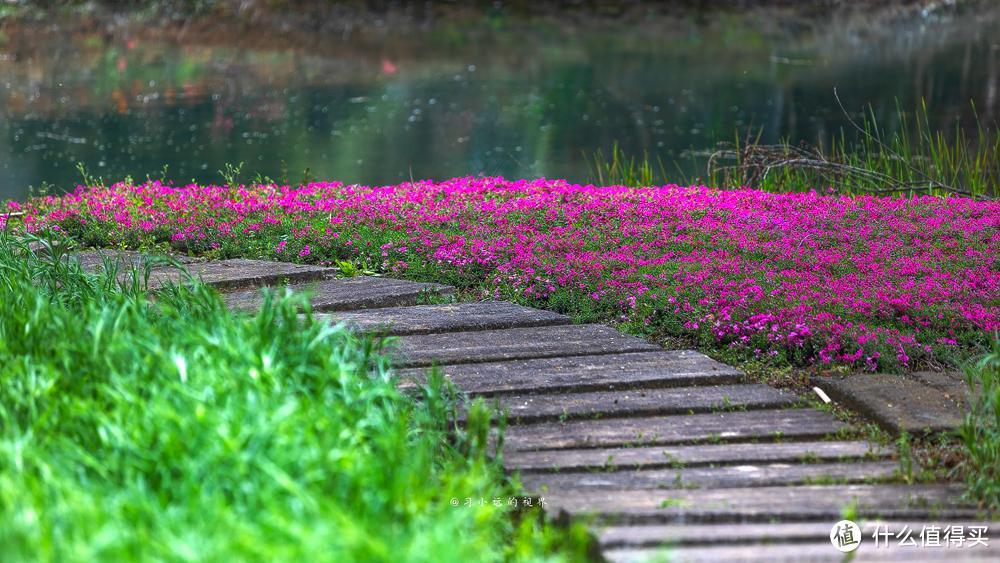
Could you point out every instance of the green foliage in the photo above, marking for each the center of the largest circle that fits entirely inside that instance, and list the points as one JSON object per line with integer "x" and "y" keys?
{"x": 980, "y": 431}
{"x": 621, "y": 169}
{"x": 231, "y": 173}
{"x": 905, "y": 457}
{"x": 86, "y": 178}
{"x": 170, "y": 429}
{"x": 850, "y": 511}
{"x": 913, "y": 158}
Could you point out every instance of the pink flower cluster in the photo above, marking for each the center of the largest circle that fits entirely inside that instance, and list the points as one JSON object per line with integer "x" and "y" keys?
{"x": 867, "y": 281}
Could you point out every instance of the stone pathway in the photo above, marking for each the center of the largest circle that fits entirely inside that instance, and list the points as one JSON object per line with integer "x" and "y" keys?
{"x": 659, "y": 447}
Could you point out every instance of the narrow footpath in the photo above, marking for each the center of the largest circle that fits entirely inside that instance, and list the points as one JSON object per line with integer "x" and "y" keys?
{"x": 659, "y": 447}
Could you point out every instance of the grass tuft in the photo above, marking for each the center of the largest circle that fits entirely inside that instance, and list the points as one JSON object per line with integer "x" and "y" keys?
{"x": 619, "y": 169}
{"x": 911, "y": 157}
{"x": 169, "y": 429}
{"x": 980, "y": 432}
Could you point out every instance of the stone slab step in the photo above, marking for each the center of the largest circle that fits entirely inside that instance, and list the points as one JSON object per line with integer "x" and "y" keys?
{"x": 238, "y": 273}
{"x": 744, "y": 475}
{"x": 654, "y": 457}
{"x": 93, "y": 260}
{"x": 673, "y": 429}
{"x": 513, "y": 344}
{"x": 641, "y": 402}
{"x": 224, "y": 275}
{"x": 765, "y": 504}
{"x": 896, "y": 402}
{"x": 449, "y": 317}
{"x": 819, "y": 551}
{"x": 346, "y": 294}
{"x": 651, "y": 535}
{"x": 661, "y": 368}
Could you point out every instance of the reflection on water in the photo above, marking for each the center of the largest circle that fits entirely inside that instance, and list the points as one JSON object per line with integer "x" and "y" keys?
{"x": 453, "y": 97}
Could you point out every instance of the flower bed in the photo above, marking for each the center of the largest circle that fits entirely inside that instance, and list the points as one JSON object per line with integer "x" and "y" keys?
{"x": 876, "y": 283}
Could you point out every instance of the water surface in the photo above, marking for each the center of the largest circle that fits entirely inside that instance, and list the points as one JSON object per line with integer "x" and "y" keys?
{"x": 500, "y": 94}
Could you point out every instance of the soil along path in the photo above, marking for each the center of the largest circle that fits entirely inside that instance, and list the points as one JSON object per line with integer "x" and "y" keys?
{"x": 661, "y": 447}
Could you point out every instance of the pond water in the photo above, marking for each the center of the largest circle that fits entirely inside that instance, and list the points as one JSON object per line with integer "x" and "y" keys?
{"x": 388, "y": 99}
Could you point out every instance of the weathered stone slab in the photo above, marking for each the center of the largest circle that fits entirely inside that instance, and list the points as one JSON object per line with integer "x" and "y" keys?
{"x": 94, "y": 260}
{"x": 764, "y": 504}
{"x": 449, "y": 317}
{"x": 661, "y": 368}
{"x": 895, "y": 402}
{"x": 363, "y": 292}
{"x": 745, "y": 475}
{"x": 650, "y": 535}
{"x": 512, "y": 344}
{"x": 798, "y": 552}
{"x": 674, "y": 429}
{"x": 641, "y": 402}
{"x": 951, "y": 384}
{"x": 227, "y": 275}
{"x": 653, "y": 457}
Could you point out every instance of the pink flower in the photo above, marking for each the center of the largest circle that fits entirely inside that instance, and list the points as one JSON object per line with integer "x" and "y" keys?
{"x": 873, "y": 282}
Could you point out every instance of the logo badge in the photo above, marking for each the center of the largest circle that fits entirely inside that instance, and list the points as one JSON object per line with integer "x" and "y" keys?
{"x": 845, "y": 536}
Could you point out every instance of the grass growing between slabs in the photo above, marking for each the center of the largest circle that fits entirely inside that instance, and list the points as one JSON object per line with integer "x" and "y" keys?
{"x": 170, "y": 429}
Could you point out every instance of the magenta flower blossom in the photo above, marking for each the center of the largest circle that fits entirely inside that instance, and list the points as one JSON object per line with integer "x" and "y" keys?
{"x": 871, "y": 282}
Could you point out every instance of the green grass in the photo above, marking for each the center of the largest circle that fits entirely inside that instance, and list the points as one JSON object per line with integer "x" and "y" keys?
{"x": 870, "y": 157}
{"x": 618, "y": 168}
{"x": 169, "y": 429}
{"x": 980, "y": 432}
